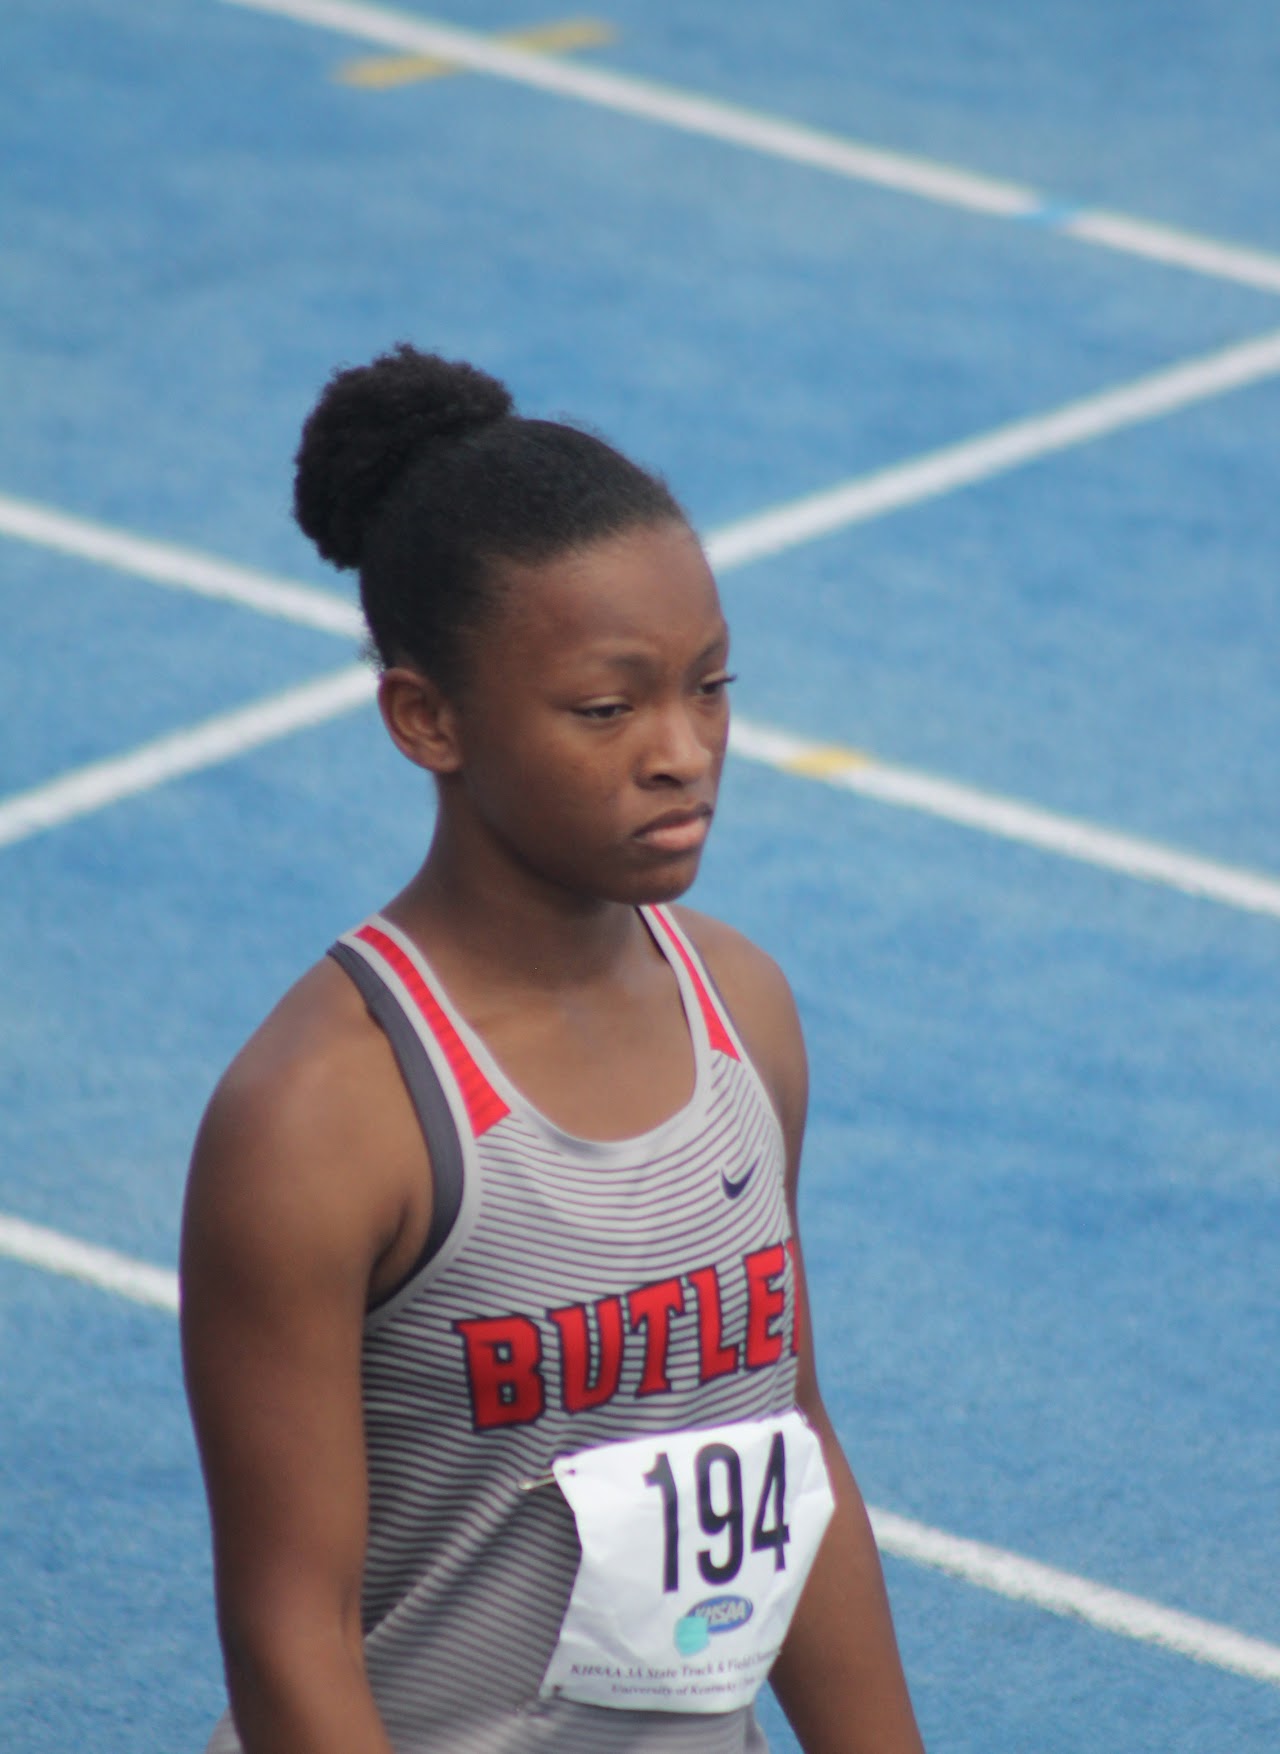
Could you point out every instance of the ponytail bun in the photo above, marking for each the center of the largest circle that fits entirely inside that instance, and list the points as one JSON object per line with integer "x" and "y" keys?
{"x": 370, "y": 423}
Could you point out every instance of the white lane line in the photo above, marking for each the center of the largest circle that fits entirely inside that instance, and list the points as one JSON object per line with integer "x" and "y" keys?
{"x": 109, "y": 1271}
{"x": 687, "y": 111}
{"x": 772, "y": 531}
{"x": 1007, "y": 818}
{"x": 216, "y": 740}
{"x": 736, "y": 125}
{"x": 164, "y": 563}
{"x": 990, "y": 1568}
{"x": 737, "y": 544}
{"x": 1175, "y": 248}
{"x": 1062, "y": 1592}
{"x": 222, "y": 739}
{"x": 994, "y": 453}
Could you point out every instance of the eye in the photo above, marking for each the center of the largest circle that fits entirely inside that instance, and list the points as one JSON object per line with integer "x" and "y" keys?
{"x": 712, "y": 687}
{"x": 600, "y": 712}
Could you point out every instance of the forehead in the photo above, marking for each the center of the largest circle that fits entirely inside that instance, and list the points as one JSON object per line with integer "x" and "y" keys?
{"x": 649, "y": 589}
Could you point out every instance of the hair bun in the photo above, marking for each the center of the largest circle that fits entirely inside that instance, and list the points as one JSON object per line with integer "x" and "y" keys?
{"x": 369, "y": 423}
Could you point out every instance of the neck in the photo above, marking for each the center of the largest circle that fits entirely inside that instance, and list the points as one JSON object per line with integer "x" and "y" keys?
{"x": 479, "y": 919}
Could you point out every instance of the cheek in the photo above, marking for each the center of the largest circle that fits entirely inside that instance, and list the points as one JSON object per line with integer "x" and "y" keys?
{"x": 587, "y": 790}
{"x": 557, "y": 785}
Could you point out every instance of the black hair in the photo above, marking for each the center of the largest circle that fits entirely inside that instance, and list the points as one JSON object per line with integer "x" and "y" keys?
{"x": 418, "y": 471}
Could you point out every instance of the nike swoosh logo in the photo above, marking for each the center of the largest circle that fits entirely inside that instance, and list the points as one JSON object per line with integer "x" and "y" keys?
{"x": 733, "y": 1189}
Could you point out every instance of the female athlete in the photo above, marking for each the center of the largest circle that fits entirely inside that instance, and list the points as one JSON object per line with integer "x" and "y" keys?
{"x": 493, "y": 1308}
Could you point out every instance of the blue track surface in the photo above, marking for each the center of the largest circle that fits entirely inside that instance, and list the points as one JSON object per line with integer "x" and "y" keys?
{"x": 1042, "y": 1189}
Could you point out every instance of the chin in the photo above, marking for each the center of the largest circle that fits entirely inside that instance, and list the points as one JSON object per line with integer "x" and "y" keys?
{"x": 662, "y": 884}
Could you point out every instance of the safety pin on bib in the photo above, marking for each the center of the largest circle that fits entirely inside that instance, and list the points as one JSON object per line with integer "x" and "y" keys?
{"x": 547, "y": 1479}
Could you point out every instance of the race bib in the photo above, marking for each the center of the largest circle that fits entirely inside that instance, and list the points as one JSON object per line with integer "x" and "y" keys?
{"x": 695, "y": 1547}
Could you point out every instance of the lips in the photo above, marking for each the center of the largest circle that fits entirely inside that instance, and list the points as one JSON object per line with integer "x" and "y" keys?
{"x": 678, "y": 831}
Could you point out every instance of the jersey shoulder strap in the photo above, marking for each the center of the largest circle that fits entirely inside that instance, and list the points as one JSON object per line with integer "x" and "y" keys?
{"x": 430, "y": 1103}
{"x": 720, "y": 1031}
{"x": 387, "y": 950}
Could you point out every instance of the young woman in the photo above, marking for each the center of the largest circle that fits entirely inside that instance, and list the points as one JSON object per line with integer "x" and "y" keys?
{"x": 493, "y": 1307}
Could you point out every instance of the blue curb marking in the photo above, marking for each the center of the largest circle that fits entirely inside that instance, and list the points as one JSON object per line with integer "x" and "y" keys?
{"x": 1051, "y": 213}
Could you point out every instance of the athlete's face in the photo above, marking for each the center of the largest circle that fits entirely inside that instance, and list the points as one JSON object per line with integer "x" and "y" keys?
{"x": 593, "y": 726}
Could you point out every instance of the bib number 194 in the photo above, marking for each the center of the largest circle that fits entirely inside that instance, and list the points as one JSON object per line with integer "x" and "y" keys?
{"x": 721, "y": 1513}
{"x": 695, "y": 1547}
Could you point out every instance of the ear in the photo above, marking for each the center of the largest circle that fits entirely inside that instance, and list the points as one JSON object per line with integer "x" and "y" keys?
{"x": 421, "y": 722}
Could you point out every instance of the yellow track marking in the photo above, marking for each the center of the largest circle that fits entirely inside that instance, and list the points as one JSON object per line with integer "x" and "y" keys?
{"x": 380, "y": 72}
{"x": 825, "y": 759}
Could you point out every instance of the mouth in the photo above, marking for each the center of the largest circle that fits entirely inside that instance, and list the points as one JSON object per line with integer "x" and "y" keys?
{"x": 677, "y": 831}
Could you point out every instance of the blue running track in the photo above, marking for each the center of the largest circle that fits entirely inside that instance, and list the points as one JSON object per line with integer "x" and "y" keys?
{"x": 1042, "y": 1192}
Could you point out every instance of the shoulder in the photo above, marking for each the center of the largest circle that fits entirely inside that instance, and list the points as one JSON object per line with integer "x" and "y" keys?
{"x": 290, "y": 1209}
{"x": 760, "y": 1001}
{"x": 302, "y": 1161}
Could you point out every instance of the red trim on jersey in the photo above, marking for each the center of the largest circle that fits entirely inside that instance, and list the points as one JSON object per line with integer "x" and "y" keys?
{"x": 721, "y": 1040}
{"x": 485, "y": 1107}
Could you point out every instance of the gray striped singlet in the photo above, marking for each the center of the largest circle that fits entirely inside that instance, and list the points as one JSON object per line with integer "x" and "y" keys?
{"x": 572, "y": 1293}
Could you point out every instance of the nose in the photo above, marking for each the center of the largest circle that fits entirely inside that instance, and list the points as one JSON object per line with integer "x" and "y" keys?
{"x": 684, "y": 745}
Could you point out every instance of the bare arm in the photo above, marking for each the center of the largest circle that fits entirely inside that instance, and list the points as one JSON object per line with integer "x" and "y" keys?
{"x": 839, "y": 1676}
{"x": 286, "y": 1224}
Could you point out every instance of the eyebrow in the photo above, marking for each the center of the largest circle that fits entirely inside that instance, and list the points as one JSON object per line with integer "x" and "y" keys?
{"x": 641, "y": 661}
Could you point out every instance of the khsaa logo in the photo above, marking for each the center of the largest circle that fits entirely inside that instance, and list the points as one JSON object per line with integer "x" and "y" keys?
{"x": 705, "y": 1620}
